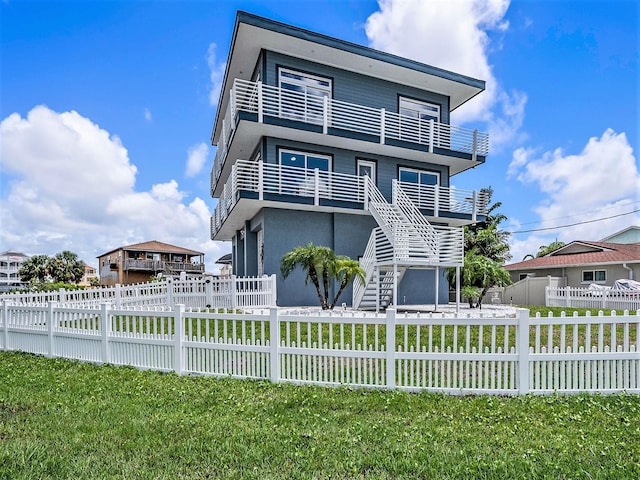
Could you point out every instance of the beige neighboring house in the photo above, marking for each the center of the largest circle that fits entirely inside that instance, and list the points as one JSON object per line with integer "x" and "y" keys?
{"x": 581, "y": 263}
{"x": 89, "y": 273}
{"x": 140, "y": 262}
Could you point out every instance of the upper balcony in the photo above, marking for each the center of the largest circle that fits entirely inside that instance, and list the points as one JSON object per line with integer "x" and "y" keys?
{"x": 254, "y": 185}
{"x": 325, "y": 121}
{"x": 162, "y": 266}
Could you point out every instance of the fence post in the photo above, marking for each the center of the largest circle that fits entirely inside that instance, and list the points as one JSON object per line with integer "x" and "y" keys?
{"x": 178, "y": 336}
{"x": 169, "y": 286}
{"x": 50, "y": 306}
{"x": 208, "y": 292}
{"x": 105, "y": 326}
{"x": 274, "y": 340}
{"x": 5, "y": 316}
{"x": 567, "y": 296}
{"x": 232, "y": 289}
{"x": 274, "y": 290}
{"x": 523, "y": 351}
{"x": 61, "y": 295}
{"x": 391, "y": 348}
{"x": 118, "y": 295}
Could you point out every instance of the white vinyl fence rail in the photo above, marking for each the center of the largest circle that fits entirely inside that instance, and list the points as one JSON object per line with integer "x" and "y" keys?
{"x": 200, "y": 292}
{"x": 472, "y": 355}
{"x": 572, "y": 297}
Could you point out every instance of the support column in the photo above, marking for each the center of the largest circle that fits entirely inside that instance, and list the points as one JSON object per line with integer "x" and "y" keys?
{"x": 437, "y": 287}
{"x": 457, "y": 291}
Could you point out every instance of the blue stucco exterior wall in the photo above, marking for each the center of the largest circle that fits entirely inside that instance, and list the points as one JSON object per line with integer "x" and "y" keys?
{"x": 344, "y": 233}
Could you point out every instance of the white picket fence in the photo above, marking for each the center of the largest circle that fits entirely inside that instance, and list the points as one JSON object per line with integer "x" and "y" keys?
{"x": 199, "y": 292}
{"x": 572, "y": 297}
{"x": 470, "y": 355}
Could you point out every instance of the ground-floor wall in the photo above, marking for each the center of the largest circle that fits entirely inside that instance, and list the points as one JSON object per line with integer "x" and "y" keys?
{"x": 345, "y": 234}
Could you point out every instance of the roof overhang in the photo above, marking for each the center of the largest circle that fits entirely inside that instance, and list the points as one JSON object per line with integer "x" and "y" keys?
{"x": 253, "y": 33}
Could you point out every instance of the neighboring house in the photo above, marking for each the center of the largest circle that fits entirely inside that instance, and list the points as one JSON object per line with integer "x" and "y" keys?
{"x": 581, "y": 263}
{"x": 89, "y": 273}
{"x": 325, "y": 141}
{"x": 140, "y": 262}
{"x": 628, "y": 235}
{"x": 10, "y": 263}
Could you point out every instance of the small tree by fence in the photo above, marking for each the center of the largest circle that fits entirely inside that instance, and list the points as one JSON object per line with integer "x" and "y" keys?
{"x": 470, "y": 355}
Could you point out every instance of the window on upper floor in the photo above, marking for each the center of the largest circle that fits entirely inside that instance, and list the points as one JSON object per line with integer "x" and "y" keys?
{"x": 415, "y": 121}
{"x": 301, "y": 181}
{"x": 305, "y": 101}
{"x": 421, "y": 177}
{"x": 419, "y": 110}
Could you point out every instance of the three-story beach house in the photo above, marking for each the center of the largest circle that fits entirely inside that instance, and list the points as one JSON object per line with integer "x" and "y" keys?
{"x": 325, "y": 141}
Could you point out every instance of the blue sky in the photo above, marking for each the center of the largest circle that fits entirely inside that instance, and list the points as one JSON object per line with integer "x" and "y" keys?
{"x": 106, "y": 110}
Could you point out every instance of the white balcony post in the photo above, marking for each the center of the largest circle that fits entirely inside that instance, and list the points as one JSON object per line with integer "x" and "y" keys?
{"x": 232, "y": 100}
{"x": 325, "y": 115}
{"x": 260, "y": 180}
{"x": 475, "y": 145}
{"x": 382, "y": 126}
{"x": 316, "y": 187}
{"x": 431, "y": 133}
{"x": 365, "y": 179}
{"x": 436, "y": 200}
{"x": 474, "y": 206}
{"x": 260, "y": 102}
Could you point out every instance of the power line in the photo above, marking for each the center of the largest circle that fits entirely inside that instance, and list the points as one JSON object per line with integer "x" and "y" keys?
{"x": 579, "y": 214}
{"x": 574, "y": 224}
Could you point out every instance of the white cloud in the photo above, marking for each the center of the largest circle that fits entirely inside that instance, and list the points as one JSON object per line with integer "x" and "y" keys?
{"x": 69, "y": 184}
{"x": 197, "y": 157}
{"x": 147, "y": 115}
{"x": 453, "y": 36}
{"x": 217, "y": 74}
{"x": 600, "y": 182}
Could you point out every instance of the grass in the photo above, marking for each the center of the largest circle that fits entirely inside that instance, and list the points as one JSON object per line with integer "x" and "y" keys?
{"x": 63, "y": 419}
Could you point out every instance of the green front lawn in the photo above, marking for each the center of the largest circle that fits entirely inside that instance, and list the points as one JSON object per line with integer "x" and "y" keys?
{"x": 63, "y": 419}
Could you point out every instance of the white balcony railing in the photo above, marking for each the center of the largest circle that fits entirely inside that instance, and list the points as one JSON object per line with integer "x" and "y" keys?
{"x": 312, "y": 186}
{"x": 383, "y": 126}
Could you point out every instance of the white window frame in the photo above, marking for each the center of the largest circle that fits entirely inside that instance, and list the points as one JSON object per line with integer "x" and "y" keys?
{"x": 305, "y": 114}
{"x": 367, "y": 163}
{"x": 594, "y": 274}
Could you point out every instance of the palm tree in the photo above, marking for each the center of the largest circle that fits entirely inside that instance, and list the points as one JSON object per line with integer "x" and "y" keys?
{"x": 345, "y": 271}
{"x": 34, "y": 269}
{"x": 66, "y": 267}
{"x": 315, "y": 262}
{"x": 321, "y": 265}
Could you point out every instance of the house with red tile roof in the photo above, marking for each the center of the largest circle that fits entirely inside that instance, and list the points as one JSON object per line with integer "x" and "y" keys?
{"x": 140, "y": 262}
{"x": 581, "y": 263}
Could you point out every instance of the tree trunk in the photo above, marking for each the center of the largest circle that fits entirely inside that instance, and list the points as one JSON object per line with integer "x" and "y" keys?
{"x": 343, "y": 285}
{"x": 313, "y": 275}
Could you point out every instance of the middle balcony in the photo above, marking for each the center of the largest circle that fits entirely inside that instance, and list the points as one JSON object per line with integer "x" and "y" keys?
{"x": 253, "y": 185}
